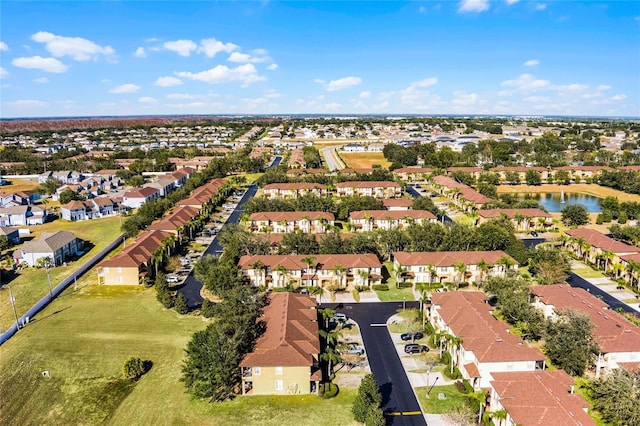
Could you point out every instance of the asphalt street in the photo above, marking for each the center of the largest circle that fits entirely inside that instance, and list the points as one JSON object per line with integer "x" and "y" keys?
{"x": 330, "y": 160}
{"x": 397, "y": 394}
{"x": 415, "y": 194}
{"x": 191, "y": 287}
{"x": 577, "y": 281}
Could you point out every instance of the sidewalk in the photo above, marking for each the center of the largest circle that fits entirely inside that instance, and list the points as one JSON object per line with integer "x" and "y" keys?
{"x": 347, "y": 297}
{"x": 609, "y": 286}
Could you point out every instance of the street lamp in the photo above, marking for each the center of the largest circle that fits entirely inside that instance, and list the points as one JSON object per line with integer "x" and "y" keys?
{"x": 404, "y": 303}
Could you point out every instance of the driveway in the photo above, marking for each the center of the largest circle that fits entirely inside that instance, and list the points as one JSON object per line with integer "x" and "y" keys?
{"x": 593, "y": 285}
{"x": 398, "y": 399}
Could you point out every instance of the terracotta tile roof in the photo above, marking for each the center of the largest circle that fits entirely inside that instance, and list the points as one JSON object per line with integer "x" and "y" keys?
{"x": 413, "y": 170}
{"x": 368, "y": 184}
{"x": 285, "y": 186}
{"x": 466, "y": 191}
{"x": 469, "y": 317}
{"x": 634, "y": 168}
{"x": 601, "y": 241}
{"x": 472, "y": 370}
{"x": 465, "y": 169}
{"x": 352, "y": 171}
{"x": 291, "y": 335}
{"x": 583, "y": 168}
{"x": 614, "y": 332}
{"x": 75, "y": 205}
{"x": 103, "y": 201}
{"x": 139, "y": 252}
{"x": 397, "y": 202}
{"x": 450, "y": 258}
{"x": 291, "y": 216}
{"x": 517, "y": 169}
{"x": 511, "y": 213}
{"x": 204, "y": 193}
{"x": 323, "y": 261}
{"x": 541, "y": 398}
{"x": 141, "y": 192}
{"x": 391, "y": 214}
{"x": 177, "y": 218}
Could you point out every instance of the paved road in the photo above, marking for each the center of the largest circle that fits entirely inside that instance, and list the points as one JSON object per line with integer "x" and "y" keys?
{"x": 577, "y": 281}
{"x": 397, "y": 394}
{"x": 191, "y": 287}
{"x": 330, "y": 159}
{"x": 415, "y": 194}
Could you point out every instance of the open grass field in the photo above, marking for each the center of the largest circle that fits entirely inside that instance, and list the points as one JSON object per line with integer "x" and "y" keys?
{"x": 579, "y": 188}
{"x": 31, "y": 284}
{"x": 19, "y": 185}
{"x": 83, "y": 339}
{"x": 357, "y": 160}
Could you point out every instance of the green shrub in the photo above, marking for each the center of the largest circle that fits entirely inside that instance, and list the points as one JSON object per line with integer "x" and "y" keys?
{"x": 467, "y": 386}
{"x": 622, "y": 218}
{"x": 207, "y": 309}
{"x": 406, "y": 285}
{"x": 328, "y": 390}
{"x": 356, "y": 295}
{"x": 428, "y": 328}
{"x": 380, "y": 287}
{"x": 134, "y": 368}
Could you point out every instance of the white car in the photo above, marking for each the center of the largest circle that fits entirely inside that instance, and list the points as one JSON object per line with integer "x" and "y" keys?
{"x": 340, "y": 317}
{"x": 172, "y": 279}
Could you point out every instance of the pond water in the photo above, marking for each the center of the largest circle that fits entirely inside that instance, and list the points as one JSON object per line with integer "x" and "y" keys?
{"x": 555, "y": 201}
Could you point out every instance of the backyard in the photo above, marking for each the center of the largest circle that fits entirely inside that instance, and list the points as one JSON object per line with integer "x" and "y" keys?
{"x": 31, "y": 284}
{"x": 83, "y": 338}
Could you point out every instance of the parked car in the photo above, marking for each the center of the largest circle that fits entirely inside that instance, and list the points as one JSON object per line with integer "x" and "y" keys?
{"x": 304, "y": 291}
{"x": 172, "y": 279}
{"x": 534, "y": 234}
{"x": 413, "y": 348}
{"x": 355, "y": 350}
{"x": 340, "y": 317}
{"x": 411, "y": 336}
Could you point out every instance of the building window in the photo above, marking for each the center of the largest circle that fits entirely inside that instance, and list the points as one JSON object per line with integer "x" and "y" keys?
{"x": 279, "y": 385}
{"x": 119, "y": 269}
{"x": 106, "y": 270}
{"x": 278, "y": 371}
{"x": 256, "y": 371}
{"x": 119, "y": 278}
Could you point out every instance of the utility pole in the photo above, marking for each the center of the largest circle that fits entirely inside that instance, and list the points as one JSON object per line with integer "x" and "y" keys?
{"x": 49, "y": 281}
{"x": 13, "y": 305}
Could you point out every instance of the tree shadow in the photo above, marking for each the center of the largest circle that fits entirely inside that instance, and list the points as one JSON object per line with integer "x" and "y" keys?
{"x": 37, "y": 319}
{"x": 385, "y": 391}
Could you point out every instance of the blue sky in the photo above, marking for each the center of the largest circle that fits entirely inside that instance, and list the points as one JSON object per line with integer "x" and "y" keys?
{"x": 432, "y": 57}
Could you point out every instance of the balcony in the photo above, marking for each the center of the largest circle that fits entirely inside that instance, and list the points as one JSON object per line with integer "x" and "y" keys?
{"x": 246, "y": 372}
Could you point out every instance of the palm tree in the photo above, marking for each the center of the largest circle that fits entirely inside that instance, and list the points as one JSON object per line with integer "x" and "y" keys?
{"x": 484, "y": 268}
{"x": 500, "y": 415}
{"x": 156, "y": 258}
{"x": 424, "y": 297}
{"x": 309, "y": 261}
{"x": 318, "y": 290}
{"x": 481, "y": 398}
{"x": 282, "y": 271}
{"x": 432, "y": 272}
{"x": 259, "y": 266}
{"x": 327, "y": 314}
{"x": 608, "y": 256}
{"x": 505, "y": 262}
{"x": 332, "y": 357}
{"x": 454, "y": 344}
{"x": 461, "y": 270}
{"x": 365, "y": 275}
{"x": 339, "y": 270}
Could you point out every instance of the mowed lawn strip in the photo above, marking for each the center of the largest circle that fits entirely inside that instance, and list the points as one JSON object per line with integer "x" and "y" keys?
{"x": 453, "y": 399}
{"x": 359, "y": 160}
{"x": 84, "y": 337}
{"x": 31, "y": 283}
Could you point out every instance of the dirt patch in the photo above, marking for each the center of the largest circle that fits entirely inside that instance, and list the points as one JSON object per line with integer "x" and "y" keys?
{"x": 358, "y": 160}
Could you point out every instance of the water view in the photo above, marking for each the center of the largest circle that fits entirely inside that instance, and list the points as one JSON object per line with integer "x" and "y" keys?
{"x": 555, "y": 201}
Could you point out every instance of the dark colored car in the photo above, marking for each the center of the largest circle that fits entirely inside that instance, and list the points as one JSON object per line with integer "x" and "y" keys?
{"x": 411, "y": 336}
{"x": 534, "y": 234}
{"x": 414, "y": 348}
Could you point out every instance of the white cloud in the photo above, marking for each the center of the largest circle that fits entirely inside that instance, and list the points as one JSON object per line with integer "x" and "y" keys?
{"x": 339, "y": 84}
{"x": 603, "y": 87}
{"x": 422, "y": 9}
{"x": 510, "y": 2}
{"x": 125, "y": 88}
{"x": 526, "y": 82}
{"x": 79, "y": 49}
{"x": 618, "y": 98}
{"x": 41, "y": 80}
{"x": 3, "y": 46}
{"x": 272, "y": 67}
{"x": 244, "y": 58}
{"x": 28, "y": 103}
{"x": 272, "y": 94}
{"x": 167, "y": 81}
{"x": 140, "y": 53}
{"x": 210, "y": 47}
{"x": 147, "y": 100}
{"x": 40, "y": 63}
{"x": 181, "y": 47}
{"x": 532, "y": 63}
{"x": 245, "y": 74}
{"x": 365, "y": 95}
{"x": 473, "y": 6}
{"x": 3, "y": 72}
{"x": 540, "y": 6}
{"x": 463, "y": 100}
{"x": 182, "y": 96}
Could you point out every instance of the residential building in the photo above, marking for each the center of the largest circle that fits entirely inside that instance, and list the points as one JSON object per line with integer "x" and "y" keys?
{"x": 484, "y": 344}
{"x": 285, "y": 359}
{"x": 22, "y": 215}
{"x": 324, "y": 270}
{"x": 452, "y": 266}
{"x": 413, "y": 174}
{"x": 134, "y": 198}
{"x": 12, "y": 234}
{"x": 522, "y": 219}
{"x": 377, "y": 189}
{"x": 475, "y": 172}
{"x": 287, "y": 222}
{"x": 136, "y": 263}
{"x": 204, "y": 194}
{"x": 521, "y": 172}
{"x": 293, "y": 190}
{"x": 618, "y": 338}
{"x": 463, "y": 196}
{"x": 595, "y": 247}
{"x": 163, "y": 184}
{"x": 533, "y": 398}
{"x": 369, "y": 220}
{"x": 58, "y": 247}
{"x": 179, "y": 221}
{"x": 401, "y": 204}
{"x": 89, "y": 209}
{"x": 582, "y": 173}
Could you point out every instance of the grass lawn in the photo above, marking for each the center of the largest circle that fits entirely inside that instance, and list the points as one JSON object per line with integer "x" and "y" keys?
{"x": 83, "y": 339}
{"x": 587, "y": 272}
{"x": 20, "y": 185}
{"x": 394, "y": 293}
{"x": 31, "y": 284}
{"x": 454, "y": 399}
{"x": 357, "y": 160}
{"x": 463, "y": 219}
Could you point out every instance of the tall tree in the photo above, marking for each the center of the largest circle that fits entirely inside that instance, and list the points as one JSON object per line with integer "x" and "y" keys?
{"x": 570, "y": 343}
